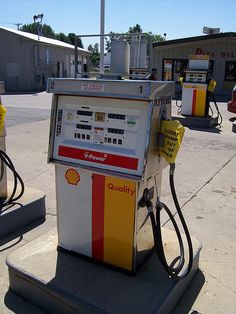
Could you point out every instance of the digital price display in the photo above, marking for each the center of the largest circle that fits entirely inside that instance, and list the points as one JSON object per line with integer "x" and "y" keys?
{"x": 100, "y": 116}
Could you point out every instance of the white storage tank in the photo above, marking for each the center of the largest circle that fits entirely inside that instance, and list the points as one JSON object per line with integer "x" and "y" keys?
{"x": 120, "y": 57}
{"x": 138, "y": 52}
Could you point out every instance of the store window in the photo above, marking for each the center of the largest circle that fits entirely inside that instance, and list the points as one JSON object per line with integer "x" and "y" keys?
{"x": 47, "y": 56}
{"x": 230, "y": 71}
{"x": 173, "y": 69}
{"x": 167, "y": 70}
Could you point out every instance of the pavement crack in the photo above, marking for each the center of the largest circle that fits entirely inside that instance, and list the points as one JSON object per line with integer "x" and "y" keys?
{"x": 209, "y": 180}
{"x": 221, "y": 283}
{"x": 202, "y": 186}
{"x": 37, "y": 176}
{"x": 50, "y": 214}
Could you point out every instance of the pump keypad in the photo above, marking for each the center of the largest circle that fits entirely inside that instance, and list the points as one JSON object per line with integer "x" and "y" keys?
{"x": 100, "y": 127}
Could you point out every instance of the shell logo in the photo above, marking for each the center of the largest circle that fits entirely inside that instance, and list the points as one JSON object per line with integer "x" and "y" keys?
{"x": 72, "y": 176}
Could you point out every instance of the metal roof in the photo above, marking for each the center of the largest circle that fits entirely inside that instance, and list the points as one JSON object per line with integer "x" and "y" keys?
{"x": 42, "y": 39}
{"x": 192, "y": 39}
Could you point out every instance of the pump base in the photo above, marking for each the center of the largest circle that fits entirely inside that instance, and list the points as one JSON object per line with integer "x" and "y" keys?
{"x": 234, "y": 126}
{"x": 62, "y": 283}
{"x": 197, "y": 122}
{"x": 30, "y": 207}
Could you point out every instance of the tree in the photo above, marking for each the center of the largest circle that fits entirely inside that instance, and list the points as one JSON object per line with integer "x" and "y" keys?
{"x": 71, "y": 38}
{"x": 135, "y": 29}
{"x": 29, "y": 28}
{"x": 156, "y": 38}
{"x": 95, "y": 56}
{"x": 48, "y": 32}
{"x": 62, "y": 37}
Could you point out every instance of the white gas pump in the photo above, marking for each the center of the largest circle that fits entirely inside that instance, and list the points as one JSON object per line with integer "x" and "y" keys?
{"x": 3, "y": 172}
{"x": 104, "y": 144}
{"x": 197, "y": 91}
{"x": 5, "y": 162}
{"x": 194, "y": 95}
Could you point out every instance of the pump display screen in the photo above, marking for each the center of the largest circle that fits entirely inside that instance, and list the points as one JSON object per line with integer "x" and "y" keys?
{"x": 100, "y": 133}
{"x": 100, "y": 116}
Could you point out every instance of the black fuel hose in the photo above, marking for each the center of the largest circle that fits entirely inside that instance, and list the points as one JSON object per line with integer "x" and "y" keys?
{"x": 217, "y": 109}
{"x": 172, "y": 271}
{"x": 156, "y": 225}
{"x": 5, "y": 159}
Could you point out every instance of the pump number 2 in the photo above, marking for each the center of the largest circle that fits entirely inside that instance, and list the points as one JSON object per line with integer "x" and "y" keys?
{"x": 52, "y": 85}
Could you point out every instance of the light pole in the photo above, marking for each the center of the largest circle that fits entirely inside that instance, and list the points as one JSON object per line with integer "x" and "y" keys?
{"x": 102, "y": 24}
{"x": 38, "y": 19}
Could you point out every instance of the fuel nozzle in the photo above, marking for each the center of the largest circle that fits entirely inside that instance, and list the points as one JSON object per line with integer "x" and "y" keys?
{"x": 145, "y": 200}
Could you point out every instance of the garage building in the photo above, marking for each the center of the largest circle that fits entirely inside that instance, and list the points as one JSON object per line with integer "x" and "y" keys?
{"x": 28, "y": 60}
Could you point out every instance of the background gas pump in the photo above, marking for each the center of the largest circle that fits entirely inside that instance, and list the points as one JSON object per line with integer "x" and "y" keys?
{"x": 231, "y": 106}
{"x": 197, "y": 92}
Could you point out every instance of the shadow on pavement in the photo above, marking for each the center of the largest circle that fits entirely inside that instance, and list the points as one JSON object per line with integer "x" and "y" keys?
{"x": 186, "y": 302}
{"x": 209, "y": 130}
{"x": 20, "y": 306}
{"x": 19, "y": 233}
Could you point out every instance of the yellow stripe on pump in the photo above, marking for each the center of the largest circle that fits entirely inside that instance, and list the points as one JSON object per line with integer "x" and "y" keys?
{"x": 3, "y": 111}
{"x": 200, "y": 103}
{"x": 119, "y": 220}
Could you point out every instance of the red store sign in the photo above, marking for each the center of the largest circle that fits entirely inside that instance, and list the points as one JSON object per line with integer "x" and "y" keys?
{"x": 222, "y": 54}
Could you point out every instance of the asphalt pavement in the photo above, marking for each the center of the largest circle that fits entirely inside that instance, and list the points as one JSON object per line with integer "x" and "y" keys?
{"x": 205, "y": 183}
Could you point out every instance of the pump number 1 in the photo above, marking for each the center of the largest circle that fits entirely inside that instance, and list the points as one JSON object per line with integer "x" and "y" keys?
{"x": 141, "y": 89}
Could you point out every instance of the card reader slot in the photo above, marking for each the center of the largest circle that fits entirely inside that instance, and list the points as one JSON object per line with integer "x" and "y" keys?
{"x": 84, "y": 127}
{"x": 115, "y": 131}
{"x": 84, "y": 113}
{"x": 116, "y": 116}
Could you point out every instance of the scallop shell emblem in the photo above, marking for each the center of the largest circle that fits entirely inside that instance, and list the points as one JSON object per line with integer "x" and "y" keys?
{"x": 69, "y": 116}
{"x": 72, "y": 176}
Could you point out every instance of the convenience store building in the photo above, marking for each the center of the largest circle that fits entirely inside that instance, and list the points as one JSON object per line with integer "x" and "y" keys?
{"x": 170, "y": 57}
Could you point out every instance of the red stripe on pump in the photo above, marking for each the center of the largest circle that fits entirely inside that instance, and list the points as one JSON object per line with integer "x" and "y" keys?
{"x": 99, "y": 157}
{"x": 98, "y": 190}
{"x": 194, "y": 101}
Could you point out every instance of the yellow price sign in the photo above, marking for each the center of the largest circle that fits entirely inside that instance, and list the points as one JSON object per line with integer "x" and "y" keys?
{"x": 173, "y": 132}
{"x": 3, "y": 111}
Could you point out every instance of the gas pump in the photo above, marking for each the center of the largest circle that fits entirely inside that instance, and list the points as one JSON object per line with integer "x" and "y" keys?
{"x": 110, "y": 145}
{"x": 3, "y": 176}
{"x": 231, "y": 106}
{"x": 19, "y": 207}
{"x": 197, "y": 89}
{"x": 6, "y": 162}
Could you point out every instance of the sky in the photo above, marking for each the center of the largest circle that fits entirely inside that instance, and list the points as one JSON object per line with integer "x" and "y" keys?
{"x": 178, "y": 19}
